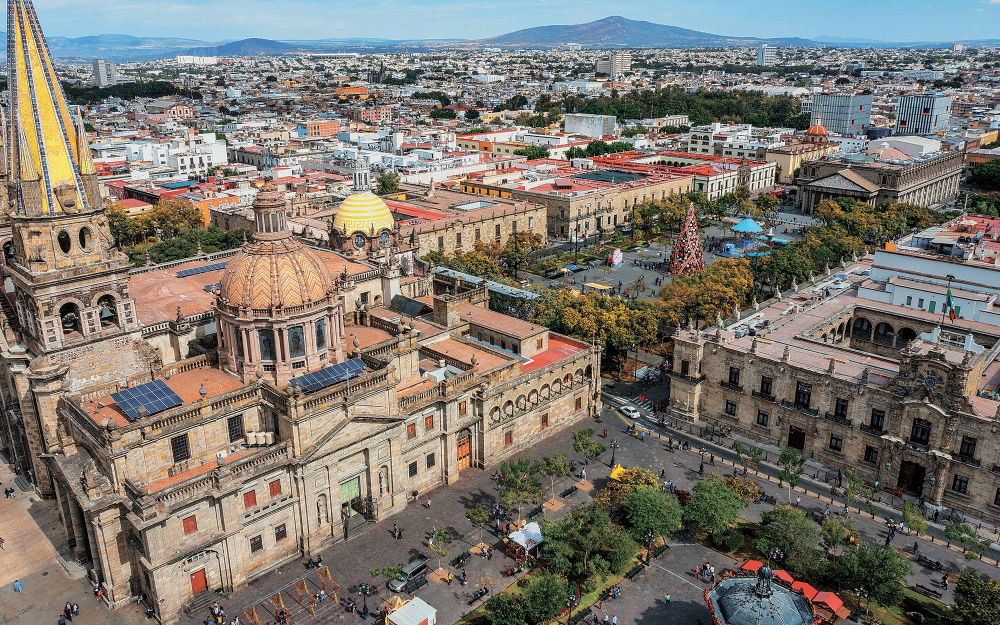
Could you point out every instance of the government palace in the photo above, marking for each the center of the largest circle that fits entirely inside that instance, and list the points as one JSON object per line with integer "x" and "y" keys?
{"x": 203, "y": 422}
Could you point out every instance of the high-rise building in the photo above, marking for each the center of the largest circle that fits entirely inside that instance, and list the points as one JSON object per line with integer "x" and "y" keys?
{"x": 922, "y": 114}
{"x": 105, "y": 74}
{"x": 766, "y": 55}
{"x": 615, "y": 64}
{"x": 842, "y": 114}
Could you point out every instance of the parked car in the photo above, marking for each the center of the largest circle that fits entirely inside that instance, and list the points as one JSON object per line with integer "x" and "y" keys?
{"x": 414, "y": 570}
{"x": 630, "y": 412}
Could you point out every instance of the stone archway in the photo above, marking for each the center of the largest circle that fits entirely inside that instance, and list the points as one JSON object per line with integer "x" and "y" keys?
{"x": 911, "y": 477}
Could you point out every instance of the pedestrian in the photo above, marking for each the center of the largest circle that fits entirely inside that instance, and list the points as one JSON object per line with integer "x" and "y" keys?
{"x": 17, "y": 585}
{"x": 826, "y": 512}
{"x": 322, "y": 595}
{"x": 711, "y": 459}
{"x": 68, "y": 611}
{"x": 489, "y": 553}
{"x": 915, "y": 548}
{"x": 605, "y": 432}
{"x": 642, "y": 436}
{"x": 798, "y": 501}
{"x": 428, "y": 504}
{"x": 1, "y": 543}
{"x": 62, "y": 620}
{"x": 76, "y": 609}
{"x": 663, "y": 473}
{"x": 666, "y": 599}
{"x": 395, "y": 530}
{"x": 449, "y": 579}
{"x": 605, "y": 618}
{"x": 614, "y": 620}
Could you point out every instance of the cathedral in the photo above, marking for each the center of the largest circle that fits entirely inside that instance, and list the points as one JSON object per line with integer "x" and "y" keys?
{"x": 202, "y": 422}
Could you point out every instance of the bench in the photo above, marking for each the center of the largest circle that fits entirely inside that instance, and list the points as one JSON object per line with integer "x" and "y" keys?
{"x": 462, "y": 559}
{"x": 635, "y": 570}
{"x": 534, "y": 512}
{"x": 928, "y": 592}
{"x": 659, "y": 550}
{"x": 817, "y": 516}
{"x": 569, "y": 491}
{"x": 768, "y": 499}
{"x": 924, "y": 561}
{"x": 414, "y": 585}
{"x": 582, "y": 616}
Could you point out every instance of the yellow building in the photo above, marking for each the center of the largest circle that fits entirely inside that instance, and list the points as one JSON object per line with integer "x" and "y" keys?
{"x": 789, "y": 158}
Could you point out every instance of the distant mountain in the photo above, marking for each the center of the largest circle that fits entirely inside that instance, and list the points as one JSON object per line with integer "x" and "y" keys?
{"x": 617, "y": 31}
{"x": 118, "y": 47}
{"x": 245, "y": 47}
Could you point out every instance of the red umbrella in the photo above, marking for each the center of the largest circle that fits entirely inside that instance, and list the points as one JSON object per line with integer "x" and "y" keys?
{"x": 751, "y": 565}
{"x": 806, "y": 589}
{"x": 828, "y": 599}
{"x": 783, "y": 575}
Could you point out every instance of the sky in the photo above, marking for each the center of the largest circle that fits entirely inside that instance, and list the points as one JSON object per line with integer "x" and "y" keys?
{"x": 219, "y": 20}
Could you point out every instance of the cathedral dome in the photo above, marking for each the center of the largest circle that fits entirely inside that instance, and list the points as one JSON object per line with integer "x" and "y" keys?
{"x": 817, "y": 130}
{"x": 364, "y": 212}
{"x": 275, "y": 270}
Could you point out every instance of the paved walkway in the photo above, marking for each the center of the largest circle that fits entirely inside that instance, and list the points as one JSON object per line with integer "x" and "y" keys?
{"x": 31, "y": 529}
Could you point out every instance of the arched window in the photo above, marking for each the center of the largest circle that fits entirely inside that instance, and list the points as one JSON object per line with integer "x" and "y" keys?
{"x": 884, "y": 334}
{"x": 69, "y": 316}
{"x": 108, "y": 310}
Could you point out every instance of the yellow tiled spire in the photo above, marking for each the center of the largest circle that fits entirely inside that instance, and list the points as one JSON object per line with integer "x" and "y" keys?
{"x": 44, "y": 144}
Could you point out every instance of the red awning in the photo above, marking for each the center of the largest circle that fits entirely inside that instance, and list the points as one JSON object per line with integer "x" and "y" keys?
{"x": 808, "y": 591}
{"x": 751, "y": 565}
{"x": 828, "y": 599}
{"x": 783, "y": 575}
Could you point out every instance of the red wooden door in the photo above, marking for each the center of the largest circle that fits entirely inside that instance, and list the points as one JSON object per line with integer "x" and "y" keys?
{"x": 198, "y": 582}
{"x": 464, "y": 450}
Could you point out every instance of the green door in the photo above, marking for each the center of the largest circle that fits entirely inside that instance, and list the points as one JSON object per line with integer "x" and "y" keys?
{"x": 930, "y": 307}
{"x": 350, "y": 494}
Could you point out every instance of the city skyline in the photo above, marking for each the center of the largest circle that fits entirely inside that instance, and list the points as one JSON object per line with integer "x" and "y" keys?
{"x": 212, "y": 20}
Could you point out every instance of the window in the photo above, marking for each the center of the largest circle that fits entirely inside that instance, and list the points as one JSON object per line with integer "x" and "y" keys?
{"x": 961, "y": 484}
{"x": 538, "y": 344}
{"x": 274, "y": 488}
{"x": 730, "y": 407}
{"x": 235, "y": 425}
{"x": 508, "y": 438}
{"x": 429, "y": 422}
{"x": 256, "y": 544}
{"x": 878, "y": 419}
{"x": 413, "y": 469}
{"x": 920, "y": 302}
{"x": 458, "y": 239}
{"x": 840, "y": 410}
{"x": 836, "y": 442}
{"x": 266, "y": 339}
{"x": 190, "y": 525}
{"x": 250, "y": 499}
{"x": 440, "y": 244}
{"x": 909, "y": 300}
{"x": 766, "y": 385}
{"x": 477, "y": 235}
{"x": 498, "y": 231}
{"x": 411, "y": 430}
{"x": 920, "y": 433}
{"x": 179, "y": 447}
{"x": 734, "y": 376}
{"x": 685, "y": 367}
{"x": 430, "y": 460}
{"x": 280, "y": 533}
{"x": 968, "y": 449}
{"x": 545, "y": 420}
{"x": 871, "y": 454}
{"x": 762, "y": 418}
{"x": 462, "y": 408}
{"x": 579, "y": 402}
{"x": 531, "y": 223}
{"x": 803, "y": 394}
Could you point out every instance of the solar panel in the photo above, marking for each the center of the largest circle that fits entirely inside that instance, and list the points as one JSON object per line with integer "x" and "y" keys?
{"x": 193, "y": 271}
{"x": 328, "y": 376}
{"x": 154, "y": 396}
{"x": 211, "y": 287}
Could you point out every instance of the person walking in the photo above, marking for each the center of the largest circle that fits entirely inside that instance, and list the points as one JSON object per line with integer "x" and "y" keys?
{"x": 322, "y": 595}
{"x": 605, "y": 432}
{"x": 798, "y": 501}
{"x": 614, "y": 619}
{"x": 2, "y": 543}
{"x": 17, "y": 586}
{"x": 76, "y": 609}
{"x": 666, "y": 599}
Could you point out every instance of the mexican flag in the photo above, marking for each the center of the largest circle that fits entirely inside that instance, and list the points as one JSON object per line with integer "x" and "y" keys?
{"x": 950, "y": 306}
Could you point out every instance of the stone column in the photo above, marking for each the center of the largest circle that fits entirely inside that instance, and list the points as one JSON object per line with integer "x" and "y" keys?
{"x": 940, "y": 471}
{"x": 62, "y": 502}
{"x": 79, "y": 533}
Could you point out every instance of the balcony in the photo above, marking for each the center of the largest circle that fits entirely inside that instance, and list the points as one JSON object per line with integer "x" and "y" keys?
{"x": 995, "y": 469}
{"x": 972, "y": 462}
{"x": 731, "y": 386}
{"x": 686, "y": 378}
{"x": 868, "y": 429}
{"x": 917, "y": 446}
{"x": 764, "y": 396}
{"x": 838, "y": 420}
{"x": 803, "y": 409}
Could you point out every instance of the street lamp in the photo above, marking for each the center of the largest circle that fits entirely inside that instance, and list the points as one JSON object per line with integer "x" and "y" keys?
{"x": 614, "y": 447}
{"x": 571, "y": 602}
{"x": 649, "y": 546}
{"x": 635, "y": 361}
{"x": 364, "y": 589}
{"x": 701, "y": 469}
{"x": 862, "y": 591}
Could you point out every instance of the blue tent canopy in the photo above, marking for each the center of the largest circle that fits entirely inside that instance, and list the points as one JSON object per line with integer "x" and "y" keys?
{"x": 747, "y": 225}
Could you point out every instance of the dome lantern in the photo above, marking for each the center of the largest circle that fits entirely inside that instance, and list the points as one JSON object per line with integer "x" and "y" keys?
{"x": 269, "y": 214}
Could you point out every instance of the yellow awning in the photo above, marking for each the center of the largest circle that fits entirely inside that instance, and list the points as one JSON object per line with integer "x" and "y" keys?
{"x": 617, "y": 472}
{"x": 599, "y": 287}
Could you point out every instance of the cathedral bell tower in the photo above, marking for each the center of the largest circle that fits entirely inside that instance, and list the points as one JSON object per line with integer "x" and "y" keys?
{"x": 71, "y": 281}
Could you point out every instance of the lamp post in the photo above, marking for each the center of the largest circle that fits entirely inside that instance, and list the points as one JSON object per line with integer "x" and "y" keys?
{"x": 635, "y": 362}
{"x": 701, "y": 469}
{"x": 364, "y": 589}
{"x": 614, "y": 447}
{"x": 649, "y": 546}
{"x": 571, "y": 602}
{"x": 862, "y": 591}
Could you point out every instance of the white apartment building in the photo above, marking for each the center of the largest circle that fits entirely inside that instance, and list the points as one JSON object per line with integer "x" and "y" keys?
{"x": 767, "y": 55}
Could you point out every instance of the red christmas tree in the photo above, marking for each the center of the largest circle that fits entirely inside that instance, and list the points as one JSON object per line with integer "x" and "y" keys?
{"x": 687, "y": 257}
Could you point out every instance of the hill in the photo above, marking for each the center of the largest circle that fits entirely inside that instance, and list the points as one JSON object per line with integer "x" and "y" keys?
{"x": 617, "y": 31}
{"x": 245, "y": 47}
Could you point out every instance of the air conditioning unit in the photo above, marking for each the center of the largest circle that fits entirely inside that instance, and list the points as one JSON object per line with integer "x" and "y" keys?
{"x": 222, "y": 454}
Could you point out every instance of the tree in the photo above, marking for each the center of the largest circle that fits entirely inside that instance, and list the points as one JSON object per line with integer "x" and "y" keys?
{"x": 987, "y": 175}
{"x": 583, "y": 442}
{"x": 879, "y": 568}
{"x": 627, "y": 482}
{"x": 837, "y": 532}
{"x": 857, "y": 490}
{"x": 556, "y": 466}
{"x": 545, "y": 595}
{"x": 977, "y": 599}
{"x": 652, "y": 509}
{"x": 913, "y": 519}
{"x": 479, "y": 517}
{"x": 713, "y": 506}
{"x": 828, "y": 212}
{"x": 387, "y": 183}
{"x": 443, "y": 114}
{"x": 792, "y": 465}
{"x": 518, "y": 484}
{"x": 519, "y": 245}
{"x": 533, "y": 152}
{"x": 471, "y": 115}
{"x": 972, "y": 545}
{"x": 586, "y": 546}
{"x": 506, "y": 609}
{"x": 749, "y": 457}
{"x": 789, "y": 531}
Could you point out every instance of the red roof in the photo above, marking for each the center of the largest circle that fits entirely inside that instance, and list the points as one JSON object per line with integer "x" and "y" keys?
{"x": 806, "y": 589}
{"x": 782, "y": 574}
{"x": 828, "y": 599}
{"x": 751, "y": 565}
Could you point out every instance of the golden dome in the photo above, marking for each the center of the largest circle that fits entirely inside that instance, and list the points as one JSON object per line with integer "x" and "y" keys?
{"x": 363, "y": 211}
{"x": 274, "y": 270}
{"x": 817, "y": 130}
